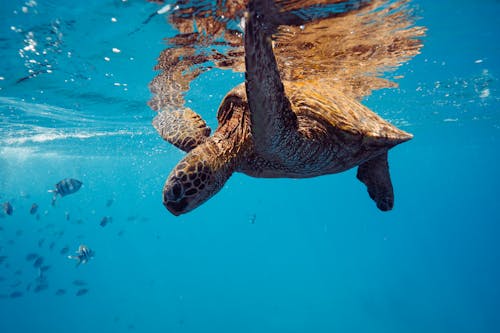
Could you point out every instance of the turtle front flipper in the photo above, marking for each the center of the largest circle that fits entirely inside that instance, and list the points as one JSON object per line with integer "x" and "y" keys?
{"x": 270, "y": 111}
{"x": 374, "y": 173}
{"x": 183, "y": 128}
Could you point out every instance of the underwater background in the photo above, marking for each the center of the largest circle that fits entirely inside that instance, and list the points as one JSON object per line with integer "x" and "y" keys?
{"x": 263, "y": 255}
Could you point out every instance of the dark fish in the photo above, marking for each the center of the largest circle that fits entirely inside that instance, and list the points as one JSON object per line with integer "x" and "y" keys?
{"x": 16, "y": 284}
{"x": 120, "y": 233}
{"x": 66, "y": 216}
{"x": 60, "y": 292}
{"x": 7, "y": 208}
{"x": 81, "y": 292}
{"x": 18, "y": 272}
{"x": 64, "y": 250}
{"x": 19, "y": 233}
{"x": 105, "y": 220}
{"x": 38, "y": 262}
{"x": 65, "y": 187}
{"x": 2, "y": 259}
{"x": 79, "y": 283}
{"x": 40, "y": 242}
{"x": 44, "y": 268}
{"x": 16, "y": 294}
{"x": 109, "y": 202}
{"x": 33, "y": 209}
{"x": 40, "y": 287}
{"x": 52, "y": 244}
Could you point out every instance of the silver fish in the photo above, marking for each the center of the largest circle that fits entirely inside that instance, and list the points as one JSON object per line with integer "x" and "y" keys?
{"x": 65, "y": 187}
{"x": 7, "y": 208}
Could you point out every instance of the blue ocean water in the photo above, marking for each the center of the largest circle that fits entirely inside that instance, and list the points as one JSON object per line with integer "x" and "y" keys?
{"x": 263, "y": 255}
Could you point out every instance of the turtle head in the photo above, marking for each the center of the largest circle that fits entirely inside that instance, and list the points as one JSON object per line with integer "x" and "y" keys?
{"x": 207, "y": 167}
{"x": 193, "y": 181}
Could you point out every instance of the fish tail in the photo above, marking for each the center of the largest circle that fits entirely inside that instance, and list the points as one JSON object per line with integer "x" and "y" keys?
{"x": 54, "y": 197}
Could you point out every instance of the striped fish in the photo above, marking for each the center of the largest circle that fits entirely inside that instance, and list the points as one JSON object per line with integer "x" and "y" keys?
{"x": 83, "y": 255}
{"x": 65, "y": 187}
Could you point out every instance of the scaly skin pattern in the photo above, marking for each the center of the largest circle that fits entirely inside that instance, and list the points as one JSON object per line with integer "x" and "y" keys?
{"x": 327, "y": 140}
{"x": 269, "y": 128}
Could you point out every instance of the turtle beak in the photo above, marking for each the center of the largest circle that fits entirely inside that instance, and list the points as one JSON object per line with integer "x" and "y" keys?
{"x": 173, "y": 197}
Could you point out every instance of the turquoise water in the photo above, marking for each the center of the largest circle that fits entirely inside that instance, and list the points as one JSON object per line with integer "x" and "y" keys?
{"x": 263, "y": 255}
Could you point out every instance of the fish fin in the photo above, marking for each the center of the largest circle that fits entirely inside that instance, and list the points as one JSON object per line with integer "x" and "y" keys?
{"x": 374, "y": 173}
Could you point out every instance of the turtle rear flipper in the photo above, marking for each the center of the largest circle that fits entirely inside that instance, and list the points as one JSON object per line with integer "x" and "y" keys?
{"x": 183, "y": 128}
{"x": 374, "y": 173}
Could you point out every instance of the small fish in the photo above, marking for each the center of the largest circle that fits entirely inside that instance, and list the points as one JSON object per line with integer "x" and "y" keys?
{"x": 66, "y": 216}
{"x": 64, "y": 250}
{"x": 16, "y": 284}
{"x": 52, "y": 244}
{"x": 109, "y": 202}
{"x": 60, "y": 292}
{"x": 83, "y": 255}
{"x": 79, "y": 283}
{"x": 38, "y": 262}
{"x": 65, "y": 187}
{"x": 82, "y": 291}
{"x": 2, "y": 259}
{"x": 19, "y": 233}
{"x": 18, "y": 272}
{"x": 120, "y": 233}
{"x": 16, "y": 294}
{"x": 40, "y": 287}
{"x": 40, "y": 242}
{"x": 41, "y": 278}
{"x": 105, "y": 220}
{"x": 44, "y": 268}
{"x": 7, "y": 208}
{"x": 33, "y": 209}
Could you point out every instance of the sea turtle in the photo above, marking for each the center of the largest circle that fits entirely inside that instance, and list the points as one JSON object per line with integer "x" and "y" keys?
{"x": 272, "y": 128}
